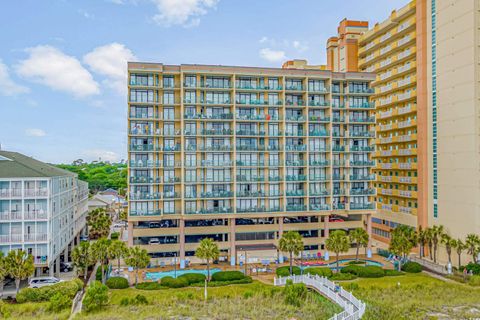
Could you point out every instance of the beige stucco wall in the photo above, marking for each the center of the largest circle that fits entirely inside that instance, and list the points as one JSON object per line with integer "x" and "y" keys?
{"x": 458, "y": 123}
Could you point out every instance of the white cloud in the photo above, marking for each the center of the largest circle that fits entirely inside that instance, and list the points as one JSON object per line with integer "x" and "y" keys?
{"x": 299, "y": 46}
{"x": 104, "y": 155}
{"x": 86, "y": 14}
{"x": 33, "y": 132}
{"x": 272, "y": 55}
{"x": 111, "y": 61}
{"x": 182, "y": 12}
{"x": 7, "y": 86}
{"x": 51, "y": 67}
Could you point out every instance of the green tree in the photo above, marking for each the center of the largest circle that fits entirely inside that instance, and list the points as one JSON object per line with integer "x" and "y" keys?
{"x": 429, "y": 240}
{"x": 403, "y": 239}
{"x": 99, "y": 222}
{"x": 123, "y": 215}
{"x": 20, "y": 266}
{"x": 437, "y": 232}
{"x": 360, "y": 237}
{"x": 3, "y": 271}
{"x": 100, "y": 251}
{"x": 138, "y": 259}
{"x": 422, "y": 240}
{"x": 459, "y": 248}
{"x": 117, "y": 250}
{"x": 472, "y": 242}
{"x": 83, "y": 258}
{"x": 292, "y": 243}
{"x": 337, "y": 242}
{"x": 96, "y": 297}
{"x": 207, "y": 250}
{"x": 449, "y": 243}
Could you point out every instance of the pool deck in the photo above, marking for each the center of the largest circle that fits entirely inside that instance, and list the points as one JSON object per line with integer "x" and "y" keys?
{"x": 266, "y": 277}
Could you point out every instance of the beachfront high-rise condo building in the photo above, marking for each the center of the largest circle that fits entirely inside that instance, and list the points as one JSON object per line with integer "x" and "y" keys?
{"x": 42, "y": 210}
{"x": 243, "y": 154}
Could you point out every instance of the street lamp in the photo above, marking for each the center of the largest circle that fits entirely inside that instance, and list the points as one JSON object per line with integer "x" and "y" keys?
{"x": 175, "y": 263}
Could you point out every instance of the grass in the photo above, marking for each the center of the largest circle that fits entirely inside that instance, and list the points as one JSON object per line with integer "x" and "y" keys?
{"x": 416, "y": 296}
{"x": 246, "y": 301}
{"x": 34, "y": 310}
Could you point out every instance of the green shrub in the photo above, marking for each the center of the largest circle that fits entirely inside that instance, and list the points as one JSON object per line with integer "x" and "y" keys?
{"x": 43, "y": 294}
{"x": 322, "y": 272}
{"x": 4, "y": 311}
{"x": 247, "y": 294}
{"x": 474, "y": 280}
{"x": 138, "y": 300}
{"x": 96, "y": 297}
{"x": 174, "y": 282}
{"x": 343, "y": 276}
{"x": 141, "y": 299}
{"x": 98, "y": 274}
{"x": 59, "y": 302}
{"x": 352, "y": 286}
{"x": 149, "y": 286}
{"x": 295, "y": 294}
{"x": 392, "y": 273}
{"x": 285, "y": 271}
{"x": 474, "y": 267}
{"x": 125, "y": 301}
{"x": 364, "y": 272}
{"x": 193, "y": 277}
{"x": 412, "y": 267}
{"x": 224, "y": 283}
{"x": 115, "y": 235}
{"x": 227, "y": 276}
{"x": 355, "y": 262}
{"x": 117, "y": 283}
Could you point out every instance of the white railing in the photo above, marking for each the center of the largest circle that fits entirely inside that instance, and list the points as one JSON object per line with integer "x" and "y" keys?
{"x": 353, "y": 307}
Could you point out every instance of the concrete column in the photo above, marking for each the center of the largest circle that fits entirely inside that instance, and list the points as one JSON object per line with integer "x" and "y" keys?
{"x": 233, "y": 248}
{"x": 50, "y": 269}
{"x": 130, "y": 234}
{"x": 65, "y": 254}
{"x": 182, "y": 243}
{"x": 57, "y": 267}
{"x": 369, "y": 231}
{"x": 280, "y": 233}
{"x": 325, "y": 227}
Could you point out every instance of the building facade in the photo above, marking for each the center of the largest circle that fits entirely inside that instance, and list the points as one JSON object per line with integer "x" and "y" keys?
{"x": 241, "y": 154}
{"x": 42, "y": 209}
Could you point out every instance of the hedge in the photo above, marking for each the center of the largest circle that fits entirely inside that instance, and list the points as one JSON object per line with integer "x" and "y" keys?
{"x": 355, "y": 262}
{"x": 117, "y": 283}
{"x": 343, "y": 276}
{"x": 412, "y": 267}
{"x": 115, "y": 235}
{"x": 67, "y": 288}
{"x": 174, "y": 282}
{"x": 392, "y": 273}
{"x": 193, "y": 277}
{"x": 149, "y": 286}
{"x": 322, "y": 272}
{"x": 224, "y": 283}
{"x": 285, "y": 271}
{"x": 228, "y": 276}
{"x": 364, "y": 272}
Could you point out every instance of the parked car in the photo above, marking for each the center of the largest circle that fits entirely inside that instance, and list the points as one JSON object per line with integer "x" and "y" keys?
{"x": 43, "y": 282}
{"x": 84, "y": 238}
{"x": 335, "y": 219}
{"x": 154, "y": 225}
{"x": 66, "y": 266}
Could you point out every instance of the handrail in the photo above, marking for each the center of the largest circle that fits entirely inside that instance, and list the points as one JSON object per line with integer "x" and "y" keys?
{"x": 353, "y": 307}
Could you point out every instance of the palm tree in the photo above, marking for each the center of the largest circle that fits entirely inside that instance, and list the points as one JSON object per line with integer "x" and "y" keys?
{"x": 459, "y": 247}
{"x": 3, "y": 272}
{"x": 437, "y": 232}
{"x": 117, "y": 250}
{"x": 137, "y": 258}
{"x": 100, "y": 250}
{"x": 422, "y": 240}
{"x": 338, "y": 242}
{"x": 207, "y": 250}
{"x": 429, "y": 239}
{"x": 99, "y": 222}
{"x": 402, "y": 241}
{"x": 20, "y": 266}
{"x": 472, "y": 242}
{"x": 449, "y": 243}
{"x": 82, "y": 257}
{"x": 359, "y": 236}
{"x": 292, "y": 243}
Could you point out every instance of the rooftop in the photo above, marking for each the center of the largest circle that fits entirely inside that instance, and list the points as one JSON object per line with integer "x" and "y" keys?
{"x": 16, "y": 165}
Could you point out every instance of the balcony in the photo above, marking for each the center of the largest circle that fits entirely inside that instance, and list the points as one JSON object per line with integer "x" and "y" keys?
{"x": 217, "y": 194}
{"x": 10, "y": 238}
{"x": 300, "y": 177}
{"x": 338, "y": 177}
{"x": 251, "y": 194}
{"x": 10, "y": 193}
{"x": 296, "y": 147}
{"x": 35, "y": 237}
{"x": 217, "y": 210}
{"x": 318, "y": 133}
{"x": 319, "y": 207}
{"x": 141, "y": 179}
{"x": 295, "y": 103}
{"x": 319, "y": 119}
{"x": 297, "y": 87}
{"x": 203, "y": 116}
{"x": 255, "y": 117}
{"x": 318, "y": 103}
{"x": 298, "y": 133}
{"x": 362, "y": 163}
{"x": 296, "y": 207}
{"x": 358, "y": 177}
{"x": 319, "y": 163}
{"x": 295, "y": 163}
{"x": 318, "y": 178}
{"x": 36, "y": 215}
{"x": 250, "y": 133}
{"x": 365, "y": 120}
{"x": 361, "y": 134}
{"x": 338, "y": 148}
{"x": 140, "y": 213}
{"x": 219, "y": 132}
{"x": 361, "y": 206}
{"x": 361, "y": 192}
{"x": 319, "y": 193}
{"x": 36, "y": 192}
{"x": 295, "y": 193}
{"x": 216, "y": 147}
{"x": 295, "y": 118}
{"x": 9, "y": 215}
{"x": 362, "y": 148}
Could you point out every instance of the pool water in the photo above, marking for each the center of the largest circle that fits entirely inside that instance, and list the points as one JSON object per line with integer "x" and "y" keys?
{"x": 333, "y": 264}
{"x": 159, "y": 275}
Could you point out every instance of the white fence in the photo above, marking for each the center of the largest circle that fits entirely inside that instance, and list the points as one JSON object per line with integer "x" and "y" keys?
{"x": 353, "y": 307}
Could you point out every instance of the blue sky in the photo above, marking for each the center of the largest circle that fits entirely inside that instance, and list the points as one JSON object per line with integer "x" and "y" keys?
{"x": 63, "y": 62}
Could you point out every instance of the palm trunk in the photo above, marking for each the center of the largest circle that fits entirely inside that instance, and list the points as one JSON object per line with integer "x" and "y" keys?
{"x": 430, "y": 251}
{"x": 136, "y": 276}
{"x": 17, "y": 285}
{"x": 85, "y": 274}
{"x": 118, "y": 263}
{"x": 421, "y": 250}
{"x": 356, "y": 258}
{"x": 291, "y": 267}
{"x": 103, "y": 274}
{"x": 208, "y": 270}
{"x": 337, "y": 263}
{"x": 459, "y": 260}
{"x": 435, "y": 253}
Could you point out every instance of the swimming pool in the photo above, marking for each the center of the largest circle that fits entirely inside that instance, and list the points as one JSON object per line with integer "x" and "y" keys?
{"x": 159, "y": 275}
{"x": 333, "y": 264}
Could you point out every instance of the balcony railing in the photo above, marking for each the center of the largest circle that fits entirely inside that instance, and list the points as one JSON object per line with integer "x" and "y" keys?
{"x": 319, "y": 207}
{"x": 218, "y": 210}
{"x": 36, "y": 192}
{"x": 361, "y": 206}
{"x": 296, "y": 207}
{"x": 33, "y": 237}
{"x": 7, "y": 216}
{"x": 217, "y": 194}
{"x": 10, "y": 193}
